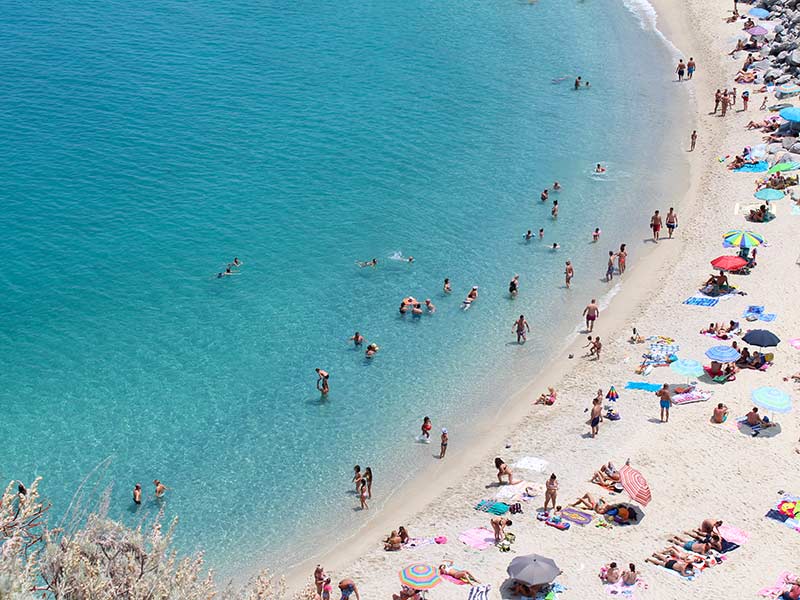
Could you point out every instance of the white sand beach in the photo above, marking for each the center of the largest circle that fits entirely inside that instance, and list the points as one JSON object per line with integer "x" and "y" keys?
{"x": 695, "y": 469}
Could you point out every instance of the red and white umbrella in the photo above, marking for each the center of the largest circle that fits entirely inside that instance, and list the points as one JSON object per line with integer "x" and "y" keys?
{"x": 635, "y": 485}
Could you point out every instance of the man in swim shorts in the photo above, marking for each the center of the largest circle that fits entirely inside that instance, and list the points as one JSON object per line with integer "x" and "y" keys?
{"x": 521, "y": 326}
{"x": 655, "y": 225}
{"x": 348, "y": 587}
{"x": 665, "y": 401}
{"x": 591, "y": 312}
{"x": 672, "y": 221}
{"x": 569, "y": 272}
{"x": 596, "y": 416}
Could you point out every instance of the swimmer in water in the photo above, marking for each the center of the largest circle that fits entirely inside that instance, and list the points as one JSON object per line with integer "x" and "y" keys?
{"x": 227, "y": 273}
{"x": 322, "y": 381}
{"x": 429, "y": 305}
{"x": 554, "y": 247}
{"x": 596, "y": 234}
{"x": 578, "y": 83}
{"x": 368, "y": 263}
{"x": 569, "y": 272}
{"x": 161, "y": 489}
{"x": 471, "y": 297}
{"x": 513, "y": 286}
{"x": 410, "y": 259}
{"x": 528, "y": 236}
{"x": 236, "y": 262}
{"x": 403, "y": 308}
{"x": 446, "y": 287}
{"x": 372, "y": 350}
{"x": 417, "y": 310}
{"x": 554, "y": 210}
{"x": 556, "y": 186}
{"x": 544, "y": 196}
{"x": 541, "y": 233}
{"x": 357, "y": 339}
{"x": 599, "y": 168}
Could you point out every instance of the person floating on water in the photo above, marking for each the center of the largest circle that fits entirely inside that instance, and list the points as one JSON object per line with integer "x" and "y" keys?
{"x": 471, "y": 297}
{"x": 368, "y": 263}
{"x": 322, "y": 381}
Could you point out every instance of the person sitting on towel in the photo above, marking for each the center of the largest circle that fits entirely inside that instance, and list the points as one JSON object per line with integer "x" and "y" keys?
{"x": 792, "y": 591}
{"x": 754, "y": 419}
{"x": 720, "y": 415}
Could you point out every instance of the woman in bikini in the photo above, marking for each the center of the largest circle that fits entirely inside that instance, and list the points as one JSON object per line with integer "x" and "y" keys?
{"x": 446, "y": 568}
{"x": 503, "y": 470}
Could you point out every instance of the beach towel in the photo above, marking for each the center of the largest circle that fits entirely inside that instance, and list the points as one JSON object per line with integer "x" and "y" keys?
{"x": 728, "y": 546}
{"x": 642, "y": 385}
{"x": 692, "y": 396}
{"x": 795, "y": 343}
{"x": 573, "y": 515}
{"x": 492, "y": 507}
{"x": 479, "y": 538}
{"x": 701, "y": 301}
{"x": 732, "y": 534}
{"x": 786, "y": 511}
{"x": 531, "y": 463}
{"x": 758, "y": 167}
{"x": 548, "y": 593}
{"x": 777, "y": 588}
{"x": 418, "y": 542}
{"x": 509, "y": 492}
{"x": 480, "y": 592}
{"x": 619, "y": 589}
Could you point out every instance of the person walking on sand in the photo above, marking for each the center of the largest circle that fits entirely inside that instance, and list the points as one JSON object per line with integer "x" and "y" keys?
{"x": 691, "y": 66}
{"x": 622, "y": 257}
{"x": 591, "y": 312}
{"x": 596, "y": 416}
{"x": 717, "y": 100}
{"x": 550, "y": 491}
{"x": 745, "y": 99}
{"x": 445, "y": 439}
{"x": 569, "y": 273}
{"x": 693, "y": 140}
{"x": 672, "y": 221}
{"x": 665, "y": 401}
{"x": 322, "y": 382}
{"x": 655, "y": 225}
{"x": 681, "y": 69}
{"x": 521, "y": 326}
{"x": 610, "y": 266}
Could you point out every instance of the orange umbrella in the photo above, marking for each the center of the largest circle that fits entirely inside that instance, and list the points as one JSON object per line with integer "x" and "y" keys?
{"x": 635, "y": 485}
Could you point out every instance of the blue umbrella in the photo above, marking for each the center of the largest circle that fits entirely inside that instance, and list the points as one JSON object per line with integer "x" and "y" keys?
{"x": 759, "y": 13}
{"x": 790, "y": 114}
{"x": 768, "y": 194}
{"x": 687, "y": 367}
{"x": 723, "y": 354}
{"x": 762, "y": 338}
{"x": 772, "y": 399}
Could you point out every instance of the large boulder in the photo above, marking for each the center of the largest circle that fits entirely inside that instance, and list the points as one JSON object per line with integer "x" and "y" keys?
{"x": 787, "y": 144}
{"x": 794, "y": 58}
{"x": 772, "y": 74}
{"x": 783, "y": 79}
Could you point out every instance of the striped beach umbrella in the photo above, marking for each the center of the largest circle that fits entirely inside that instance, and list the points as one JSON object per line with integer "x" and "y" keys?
{"x": 635, "y": 485}
{"x": 420, "y": 576}
{"x": 772, "y": 399}
{"x": 723, "y": 354}
{"x": 738, "y": 238}
{"x": 612, "y": 394}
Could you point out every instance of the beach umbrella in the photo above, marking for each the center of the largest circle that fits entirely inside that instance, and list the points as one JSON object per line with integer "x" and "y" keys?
{"x": 533, "y": 569}
{"x": 723, "y": 354}
{"x": 612, "y": 394}
{"x": 761, "y": 338}
{"x": 635, "y": 485}
{"x": 420, "y": 576}
{"x": 768, "y": 194}
{"x": 756, "y": 31}
{"x": 772, "y": 399}
{"x": 687, "y": 367}
{"x": 790, "y": 113}
{"x": 739, "y": 238}
{"x": 728, "y": 263}
{"x": 784, "y": 166}
{"x": 758, "y": 13}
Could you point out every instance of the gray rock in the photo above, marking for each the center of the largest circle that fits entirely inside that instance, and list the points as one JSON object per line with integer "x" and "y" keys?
{"x": 788, "y": 142}
{"x": 783, "y": 79}
{"x": 772, "y": 74}
{"x": 794, "y": 58}
{"x": 779, "y": 29}
{"x": 782, "y": 55}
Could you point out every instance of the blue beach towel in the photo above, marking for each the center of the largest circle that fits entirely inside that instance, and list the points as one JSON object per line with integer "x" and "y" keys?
{"x": 697, "y": 301}
{"x": 758, "y": 167}
{"x": 767, "y": 317}
{"x": 642, "y": 385}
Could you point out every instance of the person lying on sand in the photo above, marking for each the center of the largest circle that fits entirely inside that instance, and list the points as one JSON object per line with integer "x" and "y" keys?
{"x": 791, "y": 591}
{"x": 588, "y": 501}
{"x": 663, "y": 560}
{"x": 446, "y": 568}
{"x": 713, "y": 540}
{"x": 503, "y": 470}
{"x": 607, "y": 474}
{"x": 691, "y": 545}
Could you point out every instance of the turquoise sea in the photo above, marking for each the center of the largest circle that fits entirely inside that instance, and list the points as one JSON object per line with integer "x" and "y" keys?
{"x": 144, "y": 145}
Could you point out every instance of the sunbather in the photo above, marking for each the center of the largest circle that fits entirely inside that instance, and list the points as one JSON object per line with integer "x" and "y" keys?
{"x": 406, "y": 593}
{"x": 691, "y": 545}
{"x": 709, "y": 527}
{"x": 663, "y": 560}
{"x": 446, "y": 568}
{"x": 503, "y": 470}
{"x": 548, "y": 399}
{"x": 403, "y": 533}
{"x": 393, "y": 542}
{"x": 600, "y": 506}
{"x": 610, "y": 573}
{"x": 713, "y": 540}
{"x": 744, "y": 358}
{"x": 720, "y": 414}
{"x": 630, "y": 576}
{"x": 754, "y": 419}
{"x": 606, "y": 475}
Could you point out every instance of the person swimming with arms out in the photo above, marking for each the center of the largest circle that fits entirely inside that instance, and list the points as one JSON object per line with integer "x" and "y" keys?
{"x": 226, "y": 273}
{"x": 554, "y": 247}
{"x": 236, "y": 262}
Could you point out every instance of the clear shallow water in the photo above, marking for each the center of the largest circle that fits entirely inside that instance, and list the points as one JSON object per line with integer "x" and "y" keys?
{"x": 144, "y": 145}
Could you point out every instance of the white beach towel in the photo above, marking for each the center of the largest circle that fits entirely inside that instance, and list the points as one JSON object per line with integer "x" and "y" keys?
{"x": 531, "y": 463}
{"x": 506, "y": 492}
